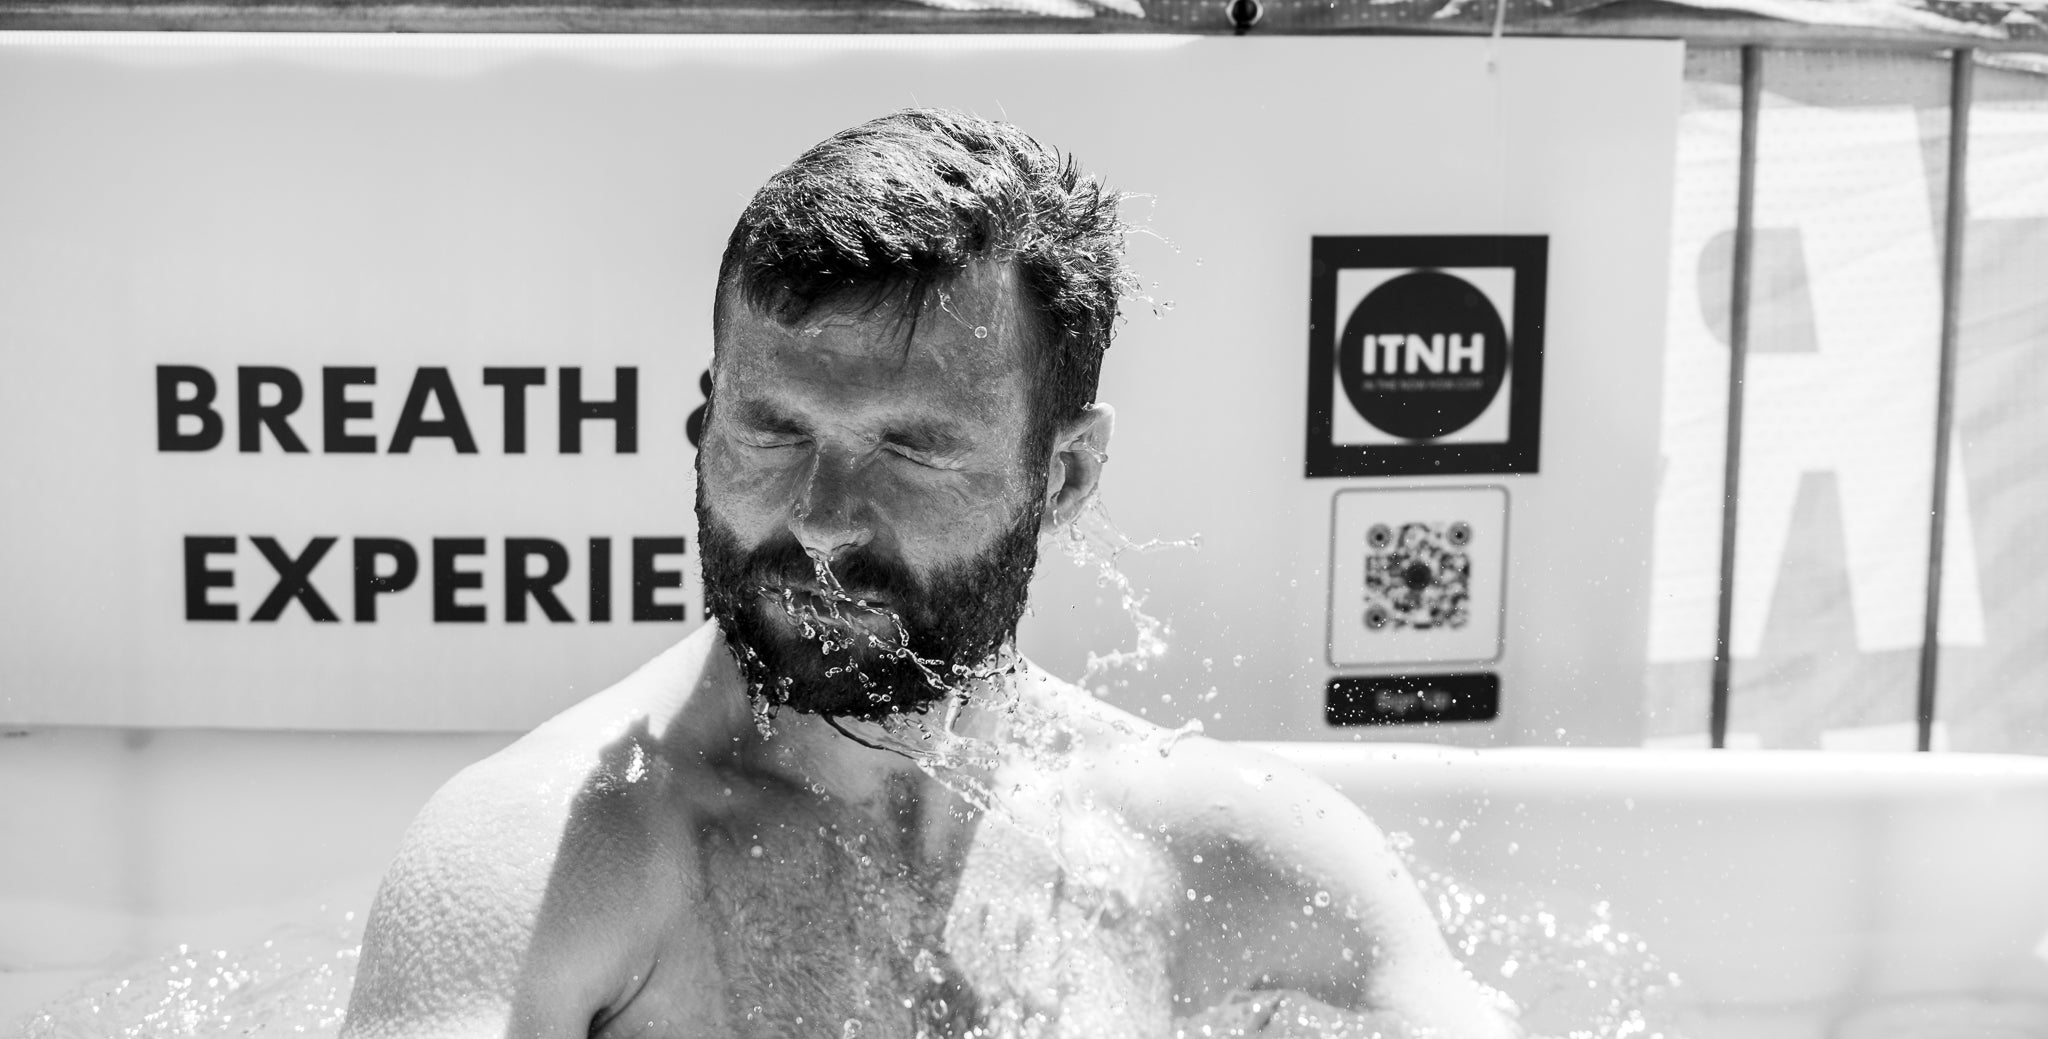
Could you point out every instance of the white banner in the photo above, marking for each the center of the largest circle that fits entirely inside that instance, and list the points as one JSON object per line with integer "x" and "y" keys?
{"x": 350, "y": 377}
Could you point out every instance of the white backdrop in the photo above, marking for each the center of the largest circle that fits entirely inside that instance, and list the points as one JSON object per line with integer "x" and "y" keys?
{"x": 414, "y": 203}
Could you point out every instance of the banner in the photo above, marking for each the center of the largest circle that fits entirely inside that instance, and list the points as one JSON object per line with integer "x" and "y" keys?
{"x": 353, "y": 380}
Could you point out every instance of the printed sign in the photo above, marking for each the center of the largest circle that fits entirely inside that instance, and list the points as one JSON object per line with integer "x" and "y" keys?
{"x": 1412, "y": 699}
{"x": 1425, "y": 355}
{"x": 1416, "y": 575}
{"x": 389, "y": 424}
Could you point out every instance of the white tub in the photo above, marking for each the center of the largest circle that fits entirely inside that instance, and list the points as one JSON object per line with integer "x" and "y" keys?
{"x": 1795, "y": 894}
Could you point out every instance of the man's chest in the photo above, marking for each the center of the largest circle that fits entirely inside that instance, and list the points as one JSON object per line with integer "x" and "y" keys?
{"x": 820, "y": 930}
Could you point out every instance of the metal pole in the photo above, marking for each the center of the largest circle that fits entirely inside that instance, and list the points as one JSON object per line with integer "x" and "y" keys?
{"x": 1962, "y": 72}
{"x": 1738, "y": 352}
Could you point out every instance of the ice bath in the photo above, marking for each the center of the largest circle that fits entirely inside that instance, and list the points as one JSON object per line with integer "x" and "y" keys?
{"x": 1794, "y": 895}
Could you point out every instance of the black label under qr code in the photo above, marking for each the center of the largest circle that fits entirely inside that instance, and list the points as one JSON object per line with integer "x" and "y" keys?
{"x": 1412, "y": 699}
{"x": 1417, "y": 575}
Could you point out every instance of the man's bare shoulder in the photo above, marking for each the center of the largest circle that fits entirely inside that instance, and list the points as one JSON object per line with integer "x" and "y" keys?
{"x": 548, "y": 870}
{"x": 1170, "y": 770}
{"x": 622, "y": 756}
{"x": 1263, "y": 839}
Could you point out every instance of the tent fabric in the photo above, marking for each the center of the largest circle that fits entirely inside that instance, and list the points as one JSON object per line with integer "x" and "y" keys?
{"x": 1838, "y": 434}
{"x": 1993, "y": 21}
{"x": 2005, "y": 25}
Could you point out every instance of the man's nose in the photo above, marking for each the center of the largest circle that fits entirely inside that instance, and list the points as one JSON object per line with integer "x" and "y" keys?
{"x": 830, "y": 516}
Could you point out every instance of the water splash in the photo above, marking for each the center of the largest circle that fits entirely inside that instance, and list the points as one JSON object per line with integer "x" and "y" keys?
{"x": 1034, "y": 737}
{"x": 1578, "y": 975}
{"x": 294, "y": 983}
{"x": 1572, "y": 968}
{"x": 1093, "y": 539}
{"x": 1010, "y": 775}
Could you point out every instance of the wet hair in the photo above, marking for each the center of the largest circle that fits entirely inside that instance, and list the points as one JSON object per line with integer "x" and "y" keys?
{"x": 897, "y": 207}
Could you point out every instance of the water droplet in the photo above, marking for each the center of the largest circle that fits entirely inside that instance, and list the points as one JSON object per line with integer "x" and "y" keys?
{"x": 755, "y": 851}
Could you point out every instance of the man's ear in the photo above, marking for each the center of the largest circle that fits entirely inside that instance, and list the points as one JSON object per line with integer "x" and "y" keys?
{"x": 1079, "y": 449}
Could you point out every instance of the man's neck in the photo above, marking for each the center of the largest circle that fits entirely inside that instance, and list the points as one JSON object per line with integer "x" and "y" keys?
{"x": 853, "y": 758}
{"x": 914, "y": 771}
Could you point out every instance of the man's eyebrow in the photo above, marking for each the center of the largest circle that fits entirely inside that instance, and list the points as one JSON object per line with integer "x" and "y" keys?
{"x": 761, "y": 415}
{"x": 934, "y": 436}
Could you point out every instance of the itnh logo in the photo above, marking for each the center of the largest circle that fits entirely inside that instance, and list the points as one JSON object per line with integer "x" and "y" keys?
{"x": 1422, "y": 355}
{"x": 1437, "y": 353}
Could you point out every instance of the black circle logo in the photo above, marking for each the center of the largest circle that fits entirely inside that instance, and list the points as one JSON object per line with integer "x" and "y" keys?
{"x": 1422, "y": 355}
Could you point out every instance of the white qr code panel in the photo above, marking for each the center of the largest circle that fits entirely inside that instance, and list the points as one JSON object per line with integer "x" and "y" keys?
{"x": 1416, "y": 575}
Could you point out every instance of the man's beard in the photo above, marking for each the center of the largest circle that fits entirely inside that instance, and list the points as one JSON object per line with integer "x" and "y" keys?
{"x": 943, "y": 630}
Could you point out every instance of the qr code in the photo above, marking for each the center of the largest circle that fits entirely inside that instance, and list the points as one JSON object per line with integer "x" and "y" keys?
{"x": 1417, "y": 575}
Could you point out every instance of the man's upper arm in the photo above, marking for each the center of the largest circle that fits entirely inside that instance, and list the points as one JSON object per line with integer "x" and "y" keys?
{"x": 1347, "y": 921}
{"x": 496, "y": 920}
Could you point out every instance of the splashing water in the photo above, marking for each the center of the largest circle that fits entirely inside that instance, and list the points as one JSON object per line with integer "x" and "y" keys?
{"x": 1571, "y": 968}
{"x": 957, "y": 761}
{"x": 295, "y": 983}
{"x": 1577, "y": 975}
{"x": 1094, "y": 540}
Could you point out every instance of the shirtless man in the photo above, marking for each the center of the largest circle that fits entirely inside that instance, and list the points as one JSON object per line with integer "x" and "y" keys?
{"x": 848, "y": 807}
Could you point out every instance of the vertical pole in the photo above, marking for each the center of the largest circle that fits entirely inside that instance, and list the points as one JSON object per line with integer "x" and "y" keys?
{"x": 1738, "y": 354}
{"x": 1962, "y": 72}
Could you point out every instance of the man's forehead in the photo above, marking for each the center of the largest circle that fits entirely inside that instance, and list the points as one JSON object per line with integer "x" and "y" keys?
{"x": 974, "y": 320}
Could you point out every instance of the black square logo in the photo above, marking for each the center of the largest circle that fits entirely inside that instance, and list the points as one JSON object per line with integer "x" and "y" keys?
{"x": 1425, "y": 354}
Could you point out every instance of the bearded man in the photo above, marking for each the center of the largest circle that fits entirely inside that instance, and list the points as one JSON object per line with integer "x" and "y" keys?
{"x": 848, "y": 807}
